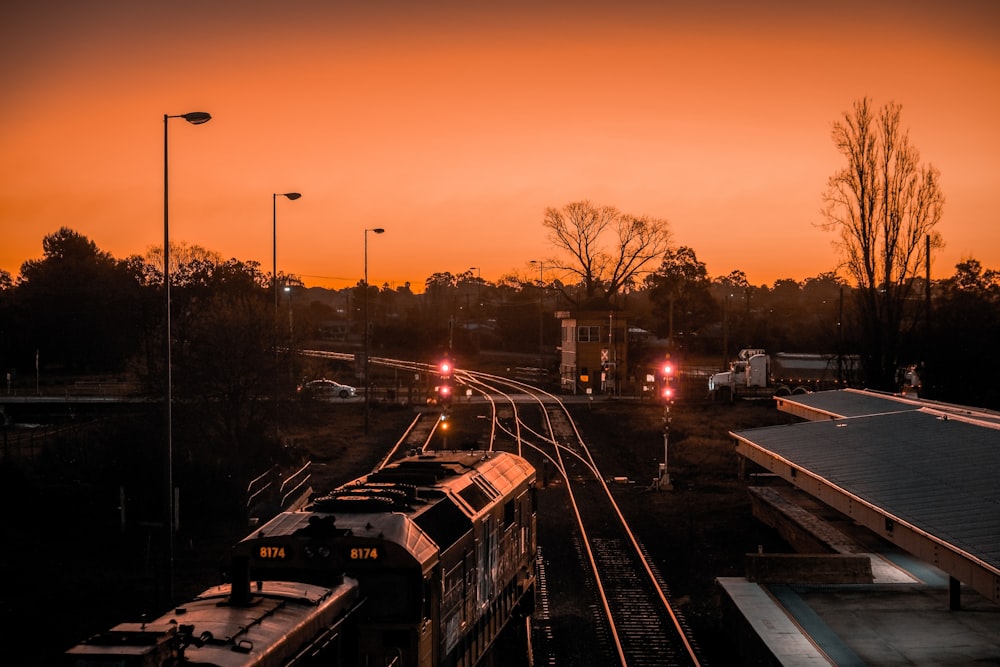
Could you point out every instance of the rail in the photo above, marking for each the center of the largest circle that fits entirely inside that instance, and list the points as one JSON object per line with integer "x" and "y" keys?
{"x": 626, "y": 583}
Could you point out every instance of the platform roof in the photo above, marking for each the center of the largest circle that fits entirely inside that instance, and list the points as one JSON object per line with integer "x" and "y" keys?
{"x": 860, "y": 402}
{"x": 924, "y": 479}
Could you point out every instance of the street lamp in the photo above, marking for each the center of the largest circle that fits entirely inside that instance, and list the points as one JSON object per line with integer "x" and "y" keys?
{"x": 274, "y": 280}
{"x": 195, "y": 118}
{"x": 274, "y": 251}
{"x": 291, "y": 336}
{"x": 541, "y": 308}
{"x": 376, "y": 230}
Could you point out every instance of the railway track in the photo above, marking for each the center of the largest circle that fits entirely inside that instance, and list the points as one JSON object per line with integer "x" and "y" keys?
{"x": 634, "y": 621}
{"x": 634, "y": 618}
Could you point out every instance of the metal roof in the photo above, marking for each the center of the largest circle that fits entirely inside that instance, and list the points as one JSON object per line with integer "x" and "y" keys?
{"x": 859, "y": 402}
{"x": 924, "y": 479}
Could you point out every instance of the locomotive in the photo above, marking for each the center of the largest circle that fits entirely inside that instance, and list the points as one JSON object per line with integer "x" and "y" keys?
{"x": 430, "y": 558}
{"x": 442, "y": 545}
{"x": 280, "y": 623}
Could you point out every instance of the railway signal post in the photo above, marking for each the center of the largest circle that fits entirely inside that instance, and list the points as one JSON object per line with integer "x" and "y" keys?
{"x": 668, "y": 371}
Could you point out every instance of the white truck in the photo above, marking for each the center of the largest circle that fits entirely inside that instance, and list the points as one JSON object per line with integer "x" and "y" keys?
{"x": 757, "y": 374}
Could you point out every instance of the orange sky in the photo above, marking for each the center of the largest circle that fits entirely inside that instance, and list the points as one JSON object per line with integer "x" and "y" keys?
{"x": 454, "y": 126}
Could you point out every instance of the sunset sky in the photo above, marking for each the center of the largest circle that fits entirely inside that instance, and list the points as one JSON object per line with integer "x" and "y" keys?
{"x": 453, "y": 125}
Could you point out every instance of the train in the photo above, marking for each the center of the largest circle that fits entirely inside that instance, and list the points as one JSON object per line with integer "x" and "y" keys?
{"x": 421, "y": 563}
{"x": 279, "y": 623}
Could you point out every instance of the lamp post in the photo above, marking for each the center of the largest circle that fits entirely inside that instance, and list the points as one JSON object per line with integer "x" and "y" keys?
{"x": 195, "y": 118}
{"x": 274, "y": 280}
{"x": 291, "y": 336}
{"x": 541, "y": 308}
{"x": 376, "y": 230}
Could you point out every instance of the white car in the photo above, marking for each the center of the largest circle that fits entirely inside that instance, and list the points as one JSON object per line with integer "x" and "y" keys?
{"x": 327, "y": 388}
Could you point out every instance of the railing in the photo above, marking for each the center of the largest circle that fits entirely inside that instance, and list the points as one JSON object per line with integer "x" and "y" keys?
{"x": 259, "y": 485}
{"x": 264, "y": 491}
{"x": 301, "y": 472}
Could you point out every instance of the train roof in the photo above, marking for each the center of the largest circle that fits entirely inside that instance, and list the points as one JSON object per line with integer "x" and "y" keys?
{"x": 224, "y": 634}
{"x": 423, "y": 503}
{"x": 472, "y": 480}
{"x": 392, "y": 527}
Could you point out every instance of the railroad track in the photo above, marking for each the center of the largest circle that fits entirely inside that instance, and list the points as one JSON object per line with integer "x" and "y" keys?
{"x": 634, "y": 617}
{"x": 634, "y": 621}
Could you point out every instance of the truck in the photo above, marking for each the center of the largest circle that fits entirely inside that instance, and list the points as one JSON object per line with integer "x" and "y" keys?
{"x": 756, "y": 374}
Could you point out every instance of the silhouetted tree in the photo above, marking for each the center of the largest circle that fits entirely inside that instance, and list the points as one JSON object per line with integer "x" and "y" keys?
{"x": 679, "y": 291}
{"x": 961, "y": 365}
{"x": 78, "y": 306}
{"x": 734, "y": 293}
{"x": 579, "y": 230}
{"x": 823, "y": 325}
{"x": 223, "y": 358}
{"x": 884, "y": 205}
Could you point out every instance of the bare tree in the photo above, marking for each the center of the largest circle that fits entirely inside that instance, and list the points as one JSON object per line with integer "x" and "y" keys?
{"x": 885, "y": 205}
{"x": 579, "y": 230}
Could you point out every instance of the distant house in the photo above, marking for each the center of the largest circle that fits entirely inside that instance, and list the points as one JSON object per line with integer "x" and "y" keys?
{"x": 594, "y": 352}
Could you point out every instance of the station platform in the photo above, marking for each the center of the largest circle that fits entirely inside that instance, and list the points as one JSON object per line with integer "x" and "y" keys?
{"x": 901, "y": 618}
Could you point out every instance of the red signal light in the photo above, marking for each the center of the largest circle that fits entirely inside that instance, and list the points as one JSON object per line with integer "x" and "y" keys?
{"x": 445, "y": 367}
{"x": 668, "y": 369}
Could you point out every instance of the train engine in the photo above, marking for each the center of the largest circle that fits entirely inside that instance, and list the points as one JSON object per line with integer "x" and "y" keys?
{"x": 442, "y": 545}
{"x": 276, "y": 624}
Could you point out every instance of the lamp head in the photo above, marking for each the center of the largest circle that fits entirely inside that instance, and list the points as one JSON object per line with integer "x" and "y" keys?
{"x": 291, "y": 195}
{"x": 197, "y": 117}
{"x": 377, "y": 230}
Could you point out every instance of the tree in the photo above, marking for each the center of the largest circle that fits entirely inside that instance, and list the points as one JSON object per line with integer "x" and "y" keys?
{"x": 223, "y": 362}
{"x": 735, "y": 280}
{"x": 679, "y": 291}
{"x": 960, "y": 364}
{"x": 579, "y": 229}
{"x": 884, "y": 205}
{"x": 78, "y": 306}
{"x": 185, "y": 261}
{"x": 823, "y": 328}
{"x": 970, "y": 277}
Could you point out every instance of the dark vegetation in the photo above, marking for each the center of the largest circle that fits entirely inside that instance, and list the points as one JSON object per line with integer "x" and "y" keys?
{"x": 78, "y": 311}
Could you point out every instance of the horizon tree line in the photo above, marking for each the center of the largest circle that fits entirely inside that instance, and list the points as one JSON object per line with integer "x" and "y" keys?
{"x": 82, "y": 311}
{"x": 92, "y": 313}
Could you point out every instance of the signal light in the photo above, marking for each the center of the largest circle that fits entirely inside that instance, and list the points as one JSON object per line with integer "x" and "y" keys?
{"x": 445, "y": 368}
{"x": 668, "y": 369}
